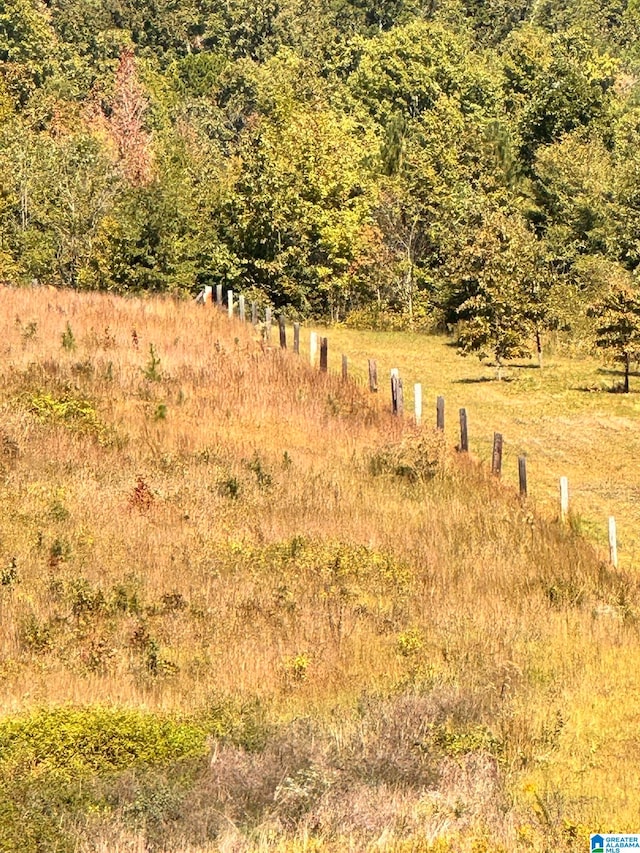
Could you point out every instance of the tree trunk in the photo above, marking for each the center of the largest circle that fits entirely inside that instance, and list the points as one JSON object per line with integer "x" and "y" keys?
{"x": 627, "y": 365}
{"x": 539, "y": 348}
{"x": 24, "y": 205}
{"x": 409, "y": 287}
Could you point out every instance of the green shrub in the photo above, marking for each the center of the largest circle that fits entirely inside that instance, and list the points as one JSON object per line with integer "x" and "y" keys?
{"x": 68, "y": 339}
{"x": 59, "y": 766}
{"x": 263, "y": 477}
{"x": 229, "y": 487}
{"x": 125, "y": 597}
{"x": 37, "y": 818}
{"x": 28, "y": 331}
{"x": 410, "y": 642}
{"x": 74, "y": 413}
{"x": 68, "y": 743}
{"x": 36, "y": 635}
{"x": 151, "y": 371}
{"x": 417, "y": 458}
{"x": 244, "y": 724}
{"x": 460, "y": 740}
{"x": 9, "y": 574}
{"x": 83, "y": 598}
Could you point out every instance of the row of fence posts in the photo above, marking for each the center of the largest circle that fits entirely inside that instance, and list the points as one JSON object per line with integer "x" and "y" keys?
{"x": 397, "y": 407}
{"x": 319, "y": 344}
{"x": 316, "y": 343}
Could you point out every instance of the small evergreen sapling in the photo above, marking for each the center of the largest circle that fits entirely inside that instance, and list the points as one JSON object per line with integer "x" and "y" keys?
{"x": 68, "y": 339}
{"x": 618, "y": 329}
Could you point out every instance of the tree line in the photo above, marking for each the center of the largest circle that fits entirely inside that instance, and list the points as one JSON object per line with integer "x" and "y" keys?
{"x": 380, "y": 162}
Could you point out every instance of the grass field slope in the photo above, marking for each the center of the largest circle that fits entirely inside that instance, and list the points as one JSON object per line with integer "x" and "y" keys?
{"x": 243, "y": 608}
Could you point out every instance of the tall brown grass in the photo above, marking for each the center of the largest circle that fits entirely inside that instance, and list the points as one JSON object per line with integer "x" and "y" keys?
{"x": 189, "y": 517}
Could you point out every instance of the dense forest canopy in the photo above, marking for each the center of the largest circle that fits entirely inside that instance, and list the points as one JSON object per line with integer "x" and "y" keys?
{"x": 429, "y": 161}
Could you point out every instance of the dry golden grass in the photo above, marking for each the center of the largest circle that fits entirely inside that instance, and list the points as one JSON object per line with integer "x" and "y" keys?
{"x": 189, "y": 517}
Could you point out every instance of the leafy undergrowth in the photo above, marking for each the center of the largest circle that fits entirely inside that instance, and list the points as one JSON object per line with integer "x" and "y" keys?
{"x": 397, "y": 765}
{"x": 244, "y": 608}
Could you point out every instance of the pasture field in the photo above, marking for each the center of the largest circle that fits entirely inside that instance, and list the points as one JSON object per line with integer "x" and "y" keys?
{"x": 567, "y": 418}
{"x": 244, "y": 608}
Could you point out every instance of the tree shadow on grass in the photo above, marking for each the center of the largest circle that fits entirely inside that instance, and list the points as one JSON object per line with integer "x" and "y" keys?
{"x": 617, "y": 388}
{"x": 480, "y": 379}
{"x": 615, "y": 371}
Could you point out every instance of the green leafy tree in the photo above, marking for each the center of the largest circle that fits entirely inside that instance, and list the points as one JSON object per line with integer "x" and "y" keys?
{"x": 57, "y": 191}
{"x": 573, "y": 191}
{"x": 432, "y": 99}
{"x": 493, "y": 20}
{"x": 69, "y": 205}
{"x": 148, "y": 244}
{"x": 608, "y": 23}
{"x": 405, "y": 71}
{"x": 303, "y": 198}
{"x": 27, "y": 47}
{"x": 624, "y": 211}
{"x": 499, "y": 278}
{"x": 420, "y": 201}
{"x": 618, "y": 325}
{"x": 554, "y": 84}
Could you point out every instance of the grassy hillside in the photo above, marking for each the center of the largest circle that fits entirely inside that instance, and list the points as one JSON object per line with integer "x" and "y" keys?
{"x": 243, "y": 608}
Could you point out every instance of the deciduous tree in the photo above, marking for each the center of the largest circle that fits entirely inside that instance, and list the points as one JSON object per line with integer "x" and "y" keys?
{"x": 499, "y": 275}
{"x": 618, "y": 324}
{"x": 132, "y": 140}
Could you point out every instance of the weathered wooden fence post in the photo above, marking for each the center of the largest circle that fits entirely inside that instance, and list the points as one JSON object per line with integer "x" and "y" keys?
{"x": 296, "y": 338}
{"x": 373, "y": 376}
{"x": 496, "y": 457}
{"x": 324, "y": 355}
{"x": 564, "y": 499}
{"x": 417, "y": 402}
{"x": 282, "y": 328}
{"x": 440, "y": 413}
{"x": 313, "y": 348}
{"x": 345, "y": 368}
{"x": 613, "y": 542}
{"x": 522, "y": 475}
{"x": 267, "y": 324}
{"x": 397, "y": 393}
{"x": 219, "y": 295}
{"x": 395, "y": 373}
{"x": 241, "y": 311}
{"x": 464, "y": 434}
{"x": 230, "y": 302}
